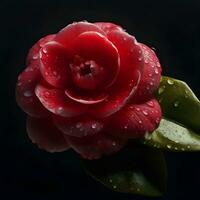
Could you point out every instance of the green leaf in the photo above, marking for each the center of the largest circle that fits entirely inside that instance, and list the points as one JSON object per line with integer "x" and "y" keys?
{"x": 135, "y": 169}
{"x": 174, "y": 137}
{"x": 179, "y": 103}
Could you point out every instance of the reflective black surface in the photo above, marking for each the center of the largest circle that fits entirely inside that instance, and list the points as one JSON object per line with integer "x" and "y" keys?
{"x": 172, "y": 27}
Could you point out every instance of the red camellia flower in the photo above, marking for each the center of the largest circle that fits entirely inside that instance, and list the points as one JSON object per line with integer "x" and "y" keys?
{"x": 89, "y": 87}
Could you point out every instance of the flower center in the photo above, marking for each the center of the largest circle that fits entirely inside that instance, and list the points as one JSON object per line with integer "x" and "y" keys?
{"x": 86, "y": 74}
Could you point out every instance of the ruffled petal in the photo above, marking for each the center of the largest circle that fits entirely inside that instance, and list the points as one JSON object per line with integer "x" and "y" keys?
{"x": 133, "y": 121}
{"x": 57, "y": 102}
{"x": 94, "y": 46}
{"x": 25, "y": 92}
{"x": 93, "y": 147}
{"x": 33, "y": 53}
{"x": 108, "y": 27}
{"x": 46, "y": 135}
{"x": 150, "y": 79}
{"x": 131, "y": 66}
{"x": 54, "y": 64}
{"x": 79, "y": 126}
{"x": 67, "y": 35}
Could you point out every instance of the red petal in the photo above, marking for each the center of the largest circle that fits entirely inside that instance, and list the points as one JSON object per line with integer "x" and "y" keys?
{"x": 54, "y": 60}
{"x": 46, "y": 135}
{"x": 108, "y": 27}
{"x": 67, "y": 35}
{"x": 150, "y": 79}
{"x": 84, "y": 98}
{"x": 57, "y": 102}
{"x": 128, "y": 78}
{"x": 25, "y": 92}
{"x": 94, "y": 46}
{"x": 78, "y": 127}
{"x": 93, "y": 147}
{"x": 33, "y": 53}
{"x": 134, "y": 121}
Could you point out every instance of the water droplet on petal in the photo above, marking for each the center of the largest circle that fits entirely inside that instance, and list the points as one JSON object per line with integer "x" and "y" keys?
{"x": 35, "y": 57}
{"x": 145, "y": 112}
{"x": 94, "y": 125}
{"x": 156, "y": 71}
{"x": 140, "y": 58}
{"x": 114, "y": 143}
{"x": 140, "y": 122}
{"x": 78, "y": 125}
{"x": 138, "y": 109}
{"x": 150, "y": 103}
{"x": 28, "y": 93}
{"x": 151, "y": 83}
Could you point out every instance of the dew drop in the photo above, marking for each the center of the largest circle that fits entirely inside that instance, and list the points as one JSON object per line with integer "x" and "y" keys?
{"x": 145, "y": 112}
{"x": 176, "y": 104}
{"x": 170, "y": 81}
{"x": 28, "y": 93}
{"x": 110, "y": 180}
{"x": 125, "y": 127}
{"x": 150, "y": 103}
{"x": 114, "y": 186}
{"x": 140, "y": 58}
{"x": 35, "y": 57}
{"x": 151, "y": 83}
{"x": 156, "y": 71}
{"x": 19, "y": 83}
{"x": 140, "y": 122}
{"x": 150, "y": 75}
{"x": 153, "y": 48}
{"x": 47, "y": 94}
{"x": 161, "y": 90}
{"x": 146, "y": 61}
{"x": 78, "y": 125}
{"x": 169, "y": 146}
{"x": 94, "y": 125}
{"x": 138, "y": 109}
{"x": 55, "y": 73}
{"x": 114, "y": 143}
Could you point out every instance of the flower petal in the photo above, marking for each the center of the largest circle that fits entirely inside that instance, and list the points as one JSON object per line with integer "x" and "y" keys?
{"x": 46, "y": 135}
{"x": 25, "y": 92}
{"x": 33, "y": 53}
{"x": 134, "y": 121}
{"x": 54, "y": 62}
{"x": 67, "y": 35}
{"x": 78, "y": 126}
{"x": 94, "y": 46}
{"x": 57, "y": 102}
{"x": 131, "y": 66}
{"x": 108, "y": 27}
{"x": 150, "y": 79}
{"x": 93, "y": 147}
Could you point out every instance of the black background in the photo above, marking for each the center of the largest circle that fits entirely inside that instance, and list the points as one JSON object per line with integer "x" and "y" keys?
{"x": 172, "y": 27}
